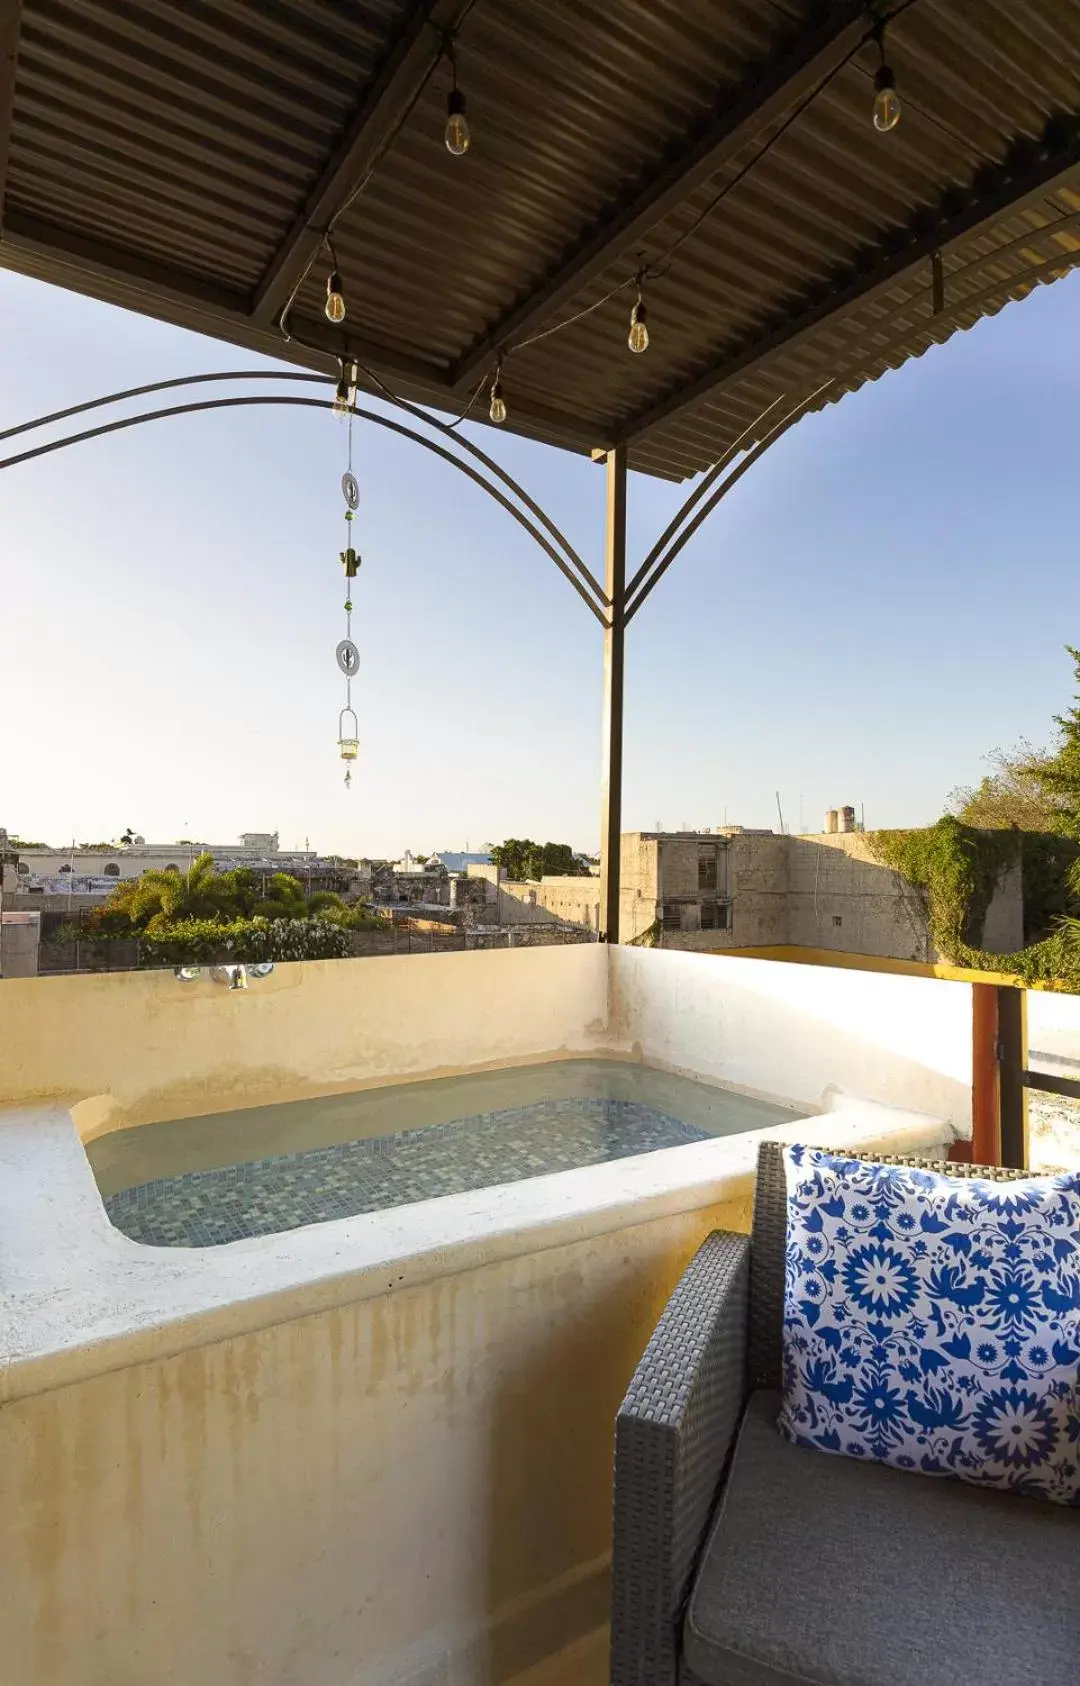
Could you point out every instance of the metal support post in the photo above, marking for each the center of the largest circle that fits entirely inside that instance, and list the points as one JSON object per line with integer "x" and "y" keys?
{"x": 1012, "y": 1059}
{"x": 612, "y": 748}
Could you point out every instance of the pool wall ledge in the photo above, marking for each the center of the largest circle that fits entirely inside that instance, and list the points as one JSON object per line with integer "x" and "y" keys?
{"x": 85, "y": 1299}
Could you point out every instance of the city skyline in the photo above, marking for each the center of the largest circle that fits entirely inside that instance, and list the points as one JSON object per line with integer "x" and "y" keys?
{"x": 308, "y": 845}
{"x": 839, "y": 630}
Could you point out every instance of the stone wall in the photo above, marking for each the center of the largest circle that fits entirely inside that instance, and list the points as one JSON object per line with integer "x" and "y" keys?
{"x": 841, "y": 897}
{"x": 758, "y": 876}
{"x": 829, "y": 892}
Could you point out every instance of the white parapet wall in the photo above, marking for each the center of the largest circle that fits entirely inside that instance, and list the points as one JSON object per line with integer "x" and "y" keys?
{"x": 136, "y": 1047}
{"x": 373, "y": 1452}
{"x": 802, "y": 1034}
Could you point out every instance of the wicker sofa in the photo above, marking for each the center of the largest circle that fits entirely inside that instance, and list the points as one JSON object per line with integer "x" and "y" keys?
{"x": 741, "y": 1560}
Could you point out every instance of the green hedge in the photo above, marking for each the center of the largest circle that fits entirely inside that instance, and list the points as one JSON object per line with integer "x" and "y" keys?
{"x": 193, "y": 941}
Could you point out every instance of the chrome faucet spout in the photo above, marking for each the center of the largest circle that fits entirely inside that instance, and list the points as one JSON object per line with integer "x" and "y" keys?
{"x": 235, "y": 975}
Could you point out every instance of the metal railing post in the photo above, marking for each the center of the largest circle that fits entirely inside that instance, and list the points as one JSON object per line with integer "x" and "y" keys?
{"x": 1012, "y": 1100}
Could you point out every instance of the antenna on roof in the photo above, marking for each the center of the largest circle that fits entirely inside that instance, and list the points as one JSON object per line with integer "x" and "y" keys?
{"x": 780, "y": 811}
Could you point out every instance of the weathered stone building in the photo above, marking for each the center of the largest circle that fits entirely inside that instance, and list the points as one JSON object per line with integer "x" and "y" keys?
{"x": 750, "y": 889}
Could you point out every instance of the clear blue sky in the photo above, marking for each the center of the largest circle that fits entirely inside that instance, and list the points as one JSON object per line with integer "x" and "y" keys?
{"x": 883, "y": 599}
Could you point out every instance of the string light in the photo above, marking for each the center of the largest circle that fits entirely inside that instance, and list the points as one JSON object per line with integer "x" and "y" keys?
{"x": 458, "y": 138}
{"x": 887, "y": 110}
{"x": 334, "y": 308}
{"x": 887, "y": 107}
{"x": 497, "y": 409}
{"x": 638, "y": 337}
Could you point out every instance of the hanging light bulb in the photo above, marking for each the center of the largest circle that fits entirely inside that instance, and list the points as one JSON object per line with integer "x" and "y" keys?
{"x": 335, "y": 298}
{"x": 458, "y": 138}
{"x": 638, "y": 337}
{"x": 887, "y": 107}
{"x": 497, "y": 409}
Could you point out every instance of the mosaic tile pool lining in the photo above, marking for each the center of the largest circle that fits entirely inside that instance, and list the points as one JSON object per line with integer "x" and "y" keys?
{"x": 266, "y": 1196}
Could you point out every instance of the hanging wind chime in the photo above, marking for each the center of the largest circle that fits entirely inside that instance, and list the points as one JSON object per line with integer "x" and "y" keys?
{"x": 348, "y": 656}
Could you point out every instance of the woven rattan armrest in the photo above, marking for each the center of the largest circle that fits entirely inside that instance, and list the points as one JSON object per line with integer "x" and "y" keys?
{"x": 673, "y": 1434}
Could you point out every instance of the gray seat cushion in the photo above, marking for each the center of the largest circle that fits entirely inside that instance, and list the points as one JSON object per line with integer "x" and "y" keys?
{"x": 824, "y": 1570}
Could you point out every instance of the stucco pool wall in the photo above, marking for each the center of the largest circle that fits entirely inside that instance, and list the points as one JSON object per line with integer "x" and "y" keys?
{"x": 136, "y": 1047}
{"x": 373, "y": 1452}
{"x": 376, "y": 1451}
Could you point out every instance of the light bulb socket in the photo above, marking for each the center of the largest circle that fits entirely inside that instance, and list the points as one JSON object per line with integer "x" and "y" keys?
{"x": 884, "y": 79}
{"x": 455, "y": 103}
{"x": 638, "y": 313}
{"x": 333, "y": 283}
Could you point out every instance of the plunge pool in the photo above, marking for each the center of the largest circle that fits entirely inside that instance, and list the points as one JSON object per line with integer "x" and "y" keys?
{"x": 226, "y": 1176}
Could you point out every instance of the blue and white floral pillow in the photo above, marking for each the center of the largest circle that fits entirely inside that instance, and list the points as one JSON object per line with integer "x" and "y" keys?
{"x": 934, "y": 1322}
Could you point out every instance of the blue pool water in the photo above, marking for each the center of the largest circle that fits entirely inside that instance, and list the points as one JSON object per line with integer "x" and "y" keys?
{"x": 202, "y": 1181}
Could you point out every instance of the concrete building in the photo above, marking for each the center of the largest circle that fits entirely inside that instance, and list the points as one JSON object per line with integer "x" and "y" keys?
{"x": 485, "y": 896}
{"x": 131, "y": 860}
{"x": 676, "y": 881}
{"x": 735, "y": 888}
{"x": 447, "y": 879}
{"x": 20, "y": 939}
{"x": 52, "y": 878}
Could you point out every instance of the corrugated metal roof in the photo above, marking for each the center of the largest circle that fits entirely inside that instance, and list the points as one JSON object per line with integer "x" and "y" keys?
{"x": 169, "y": 158}
{"x": 459, "y": 862}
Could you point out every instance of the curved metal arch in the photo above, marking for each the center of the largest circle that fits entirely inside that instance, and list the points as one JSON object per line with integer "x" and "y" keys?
{"x": 154, "y": 386}
{"x": 708, "y": 479}
{"x": 778, "y": 429}
{"x": 289, "y": 375}
{"x": 319, "y": 404}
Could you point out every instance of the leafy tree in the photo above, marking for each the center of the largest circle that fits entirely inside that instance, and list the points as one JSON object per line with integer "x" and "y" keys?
{"x": 164, "y": 898}
{"x": 521, "y": 858}
{"x": 1058, "y": 774}
{"x": 167, "y": 895}
{"x": 1010, "y": 796}
{"x": 560, "y": 861}
{"x": 1031, "y": 789}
